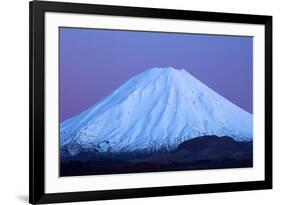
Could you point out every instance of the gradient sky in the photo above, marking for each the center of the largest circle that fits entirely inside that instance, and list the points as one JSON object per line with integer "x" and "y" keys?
{"x": 94, "y": 62}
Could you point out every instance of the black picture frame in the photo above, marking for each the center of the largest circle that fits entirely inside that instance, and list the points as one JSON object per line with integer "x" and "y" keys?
{"x": 37, "y": 193}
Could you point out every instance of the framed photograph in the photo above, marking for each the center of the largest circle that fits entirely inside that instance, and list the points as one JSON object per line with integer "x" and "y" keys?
{"x": 140, "y": 102}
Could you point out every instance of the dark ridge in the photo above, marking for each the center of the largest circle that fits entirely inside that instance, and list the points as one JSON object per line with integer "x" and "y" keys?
{"x": 206, "y": 152}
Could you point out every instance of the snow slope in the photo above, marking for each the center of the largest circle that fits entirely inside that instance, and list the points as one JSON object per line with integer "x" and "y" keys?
{"x": 157, "y": 109}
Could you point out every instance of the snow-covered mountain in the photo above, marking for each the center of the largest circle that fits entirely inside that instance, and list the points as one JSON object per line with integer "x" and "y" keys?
{"x": 157, "y": 109}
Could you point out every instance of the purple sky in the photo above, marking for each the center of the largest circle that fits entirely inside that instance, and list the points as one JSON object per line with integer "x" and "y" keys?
{"x": 95, "y": 62}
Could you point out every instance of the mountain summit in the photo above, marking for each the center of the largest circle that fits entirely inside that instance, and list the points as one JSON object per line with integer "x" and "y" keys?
{"x": 157, "y": 109}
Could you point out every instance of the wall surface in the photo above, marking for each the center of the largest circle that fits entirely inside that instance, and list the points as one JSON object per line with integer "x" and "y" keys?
{"x": 14, "y": 100}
